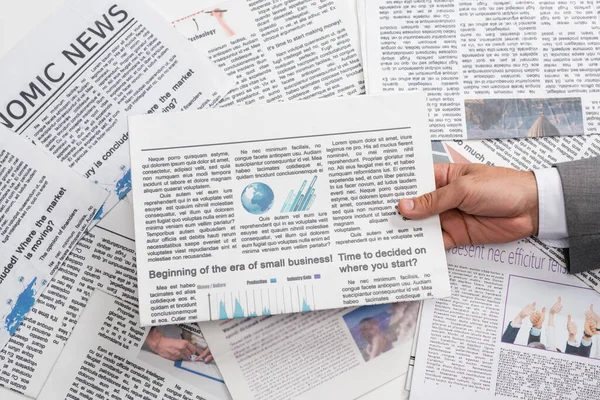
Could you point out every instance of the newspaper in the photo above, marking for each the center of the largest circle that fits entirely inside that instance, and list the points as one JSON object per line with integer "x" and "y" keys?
{"x": 44, "y": 209}
{"x": 295, "y": 204}
{"x": 509, "y": 273}
{"x": 104, "y": 258}
{"x": 514, "y": 328}
{"x": 490, "y": 70}
{"x": 110, "y": 356}
{"x": 343, "y": 353}
{"x": 70, "y": 85}
{"x": 287, "y": 51}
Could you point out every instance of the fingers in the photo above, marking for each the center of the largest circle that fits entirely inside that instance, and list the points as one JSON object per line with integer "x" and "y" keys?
{"x": 432, "y": 203}
{"x": 208, "y": 358}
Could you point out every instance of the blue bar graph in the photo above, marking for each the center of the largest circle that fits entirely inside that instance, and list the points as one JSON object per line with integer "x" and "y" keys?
{"x": 302, "y": 200}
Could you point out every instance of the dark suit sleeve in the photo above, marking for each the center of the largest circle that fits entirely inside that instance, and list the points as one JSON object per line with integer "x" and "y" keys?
{"x": 584, "y": 351}
{"x": 571, "y": 349}
{"x": 581, "y": 187}
{"x": 533, "y": 338}
{"x": 510, "y": 334}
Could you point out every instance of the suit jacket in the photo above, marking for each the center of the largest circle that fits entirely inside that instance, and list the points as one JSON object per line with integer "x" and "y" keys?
{"x": 581, "y": 186}
{"x": 581, "y": 350}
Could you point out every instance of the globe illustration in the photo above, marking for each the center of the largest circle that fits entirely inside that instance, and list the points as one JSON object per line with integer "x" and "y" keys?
{"x": 257, "y": 198}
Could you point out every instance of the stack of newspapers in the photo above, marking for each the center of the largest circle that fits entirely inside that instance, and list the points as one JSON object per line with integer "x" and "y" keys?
{"x": 198, "y": 199}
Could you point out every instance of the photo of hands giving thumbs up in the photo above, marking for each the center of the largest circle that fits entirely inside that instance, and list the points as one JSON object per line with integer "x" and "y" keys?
{"x": 574, "y": 333}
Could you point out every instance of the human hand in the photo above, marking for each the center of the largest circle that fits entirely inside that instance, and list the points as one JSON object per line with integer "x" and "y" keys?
{"x": 524, "y": 313}
{"x": 557, "y": 307}
{"x": 205, "y": 355}
{"x": 479, "y": 204}
{"x": 176, "y": 349}
{"x": 217, "y": 13}
{"x": 537, "y": 318}
{"x": 591, "y": 314}
{"x": 572, "y": 329}
{"x": 589, "y": 328}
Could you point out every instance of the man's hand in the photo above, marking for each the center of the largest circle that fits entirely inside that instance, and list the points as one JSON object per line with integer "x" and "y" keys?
{"x": 205, "y": 356}
{"x": 537, "y": 318}
{"x": 479, "y": 204}
{"x": 557, "y": 307}
{"x": 572, "y": 329}
{"x": 524, "y": 313}
{"x": 589, "y": 327}
{"x": 590, "y": 314}
{"x": 176, "y": 349}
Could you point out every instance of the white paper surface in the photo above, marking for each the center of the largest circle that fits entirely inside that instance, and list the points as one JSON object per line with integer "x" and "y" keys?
{"x": 71, "y": 83}
{"x": 287, "y": 51}
{"x": 496, "y": 70}
{"x": 340, "y": 164}
{"x": 343, "y": 353}
{"x": 44, "y": 209}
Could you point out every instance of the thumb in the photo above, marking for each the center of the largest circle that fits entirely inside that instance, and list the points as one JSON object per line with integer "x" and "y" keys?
{"x": 591, "y": 307}
{"x": 432, "y": 203}
{"x": 559, "y": 299}
{"x": 543, "y": 310}
{"x": 569, "y": 319}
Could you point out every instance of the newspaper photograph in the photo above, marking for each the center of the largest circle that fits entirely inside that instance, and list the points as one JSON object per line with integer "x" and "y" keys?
{"x": 273, "y": 213}
{"x": 501, "y": 70}
{"x": 71, "y": 83}
{"x": 44, "y": 209}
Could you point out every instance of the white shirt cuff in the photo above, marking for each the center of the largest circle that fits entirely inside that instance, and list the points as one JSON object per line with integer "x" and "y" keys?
{"x": 552, "y": 229}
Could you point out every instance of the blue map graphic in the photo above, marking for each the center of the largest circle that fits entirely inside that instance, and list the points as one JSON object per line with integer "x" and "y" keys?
{"x": 257, "y": 198}
{"x": 123, "y": 185}
{"x": 99, "y": 215}
{"x": 24, "y": 303}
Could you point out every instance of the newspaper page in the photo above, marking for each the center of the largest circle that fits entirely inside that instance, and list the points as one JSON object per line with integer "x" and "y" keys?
{"x": 44, "y": 209}
{"x": 264, "y": 216}
{"x": 110, "y": 356}
{"x": 103, "y": 258}
{"x": 490, "y": 70}
{"x": 517, "y": 326}
{"x": 285, "y": 51}
{"x": 70, "y": 85}
{"x": 343, "y": 353}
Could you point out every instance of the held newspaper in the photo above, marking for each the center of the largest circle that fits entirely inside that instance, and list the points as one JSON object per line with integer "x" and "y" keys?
{"x": 265, "y": 210}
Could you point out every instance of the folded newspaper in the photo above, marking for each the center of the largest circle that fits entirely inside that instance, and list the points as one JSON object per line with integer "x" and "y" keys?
{"x": 283, "y": 208}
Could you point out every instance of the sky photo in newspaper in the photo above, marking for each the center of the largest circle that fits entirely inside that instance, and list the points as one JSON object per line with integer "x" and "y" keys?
{"x": 505, "y": 118}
